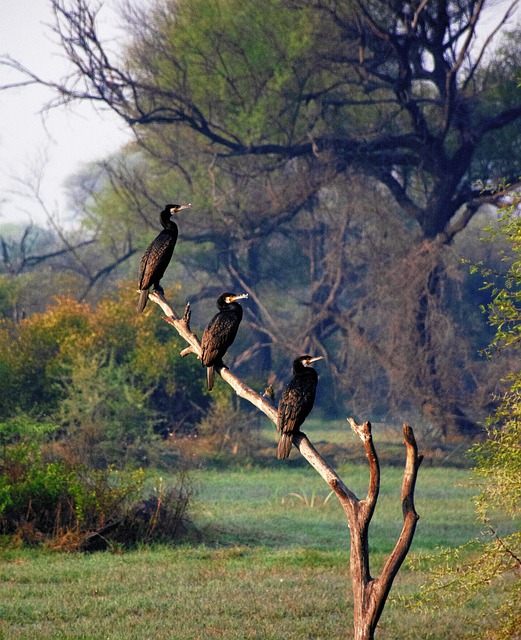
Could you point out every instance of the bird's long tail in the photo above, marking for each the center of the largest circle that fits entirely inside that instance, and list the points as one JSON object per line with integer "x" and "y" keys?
{"x": 210, "y": 377}
{"x": 284, "y": 448}
{"x": 143, "y": 297}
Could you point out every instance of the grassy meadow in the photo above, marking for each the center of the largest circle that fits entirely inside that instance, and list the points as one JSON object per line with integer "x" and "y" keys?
{"x": 270, "y": 561}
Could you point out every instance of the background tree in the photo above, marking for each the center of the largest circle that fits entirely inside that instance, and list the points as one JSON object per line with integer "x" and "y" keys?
{"x": 253, "y": 100}
{"x": 494, "y": 561}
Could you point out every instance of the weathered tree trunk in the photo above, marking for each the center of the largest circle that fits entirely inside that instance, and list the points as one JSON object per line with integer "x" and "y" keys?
{"x": 369, "y": 594}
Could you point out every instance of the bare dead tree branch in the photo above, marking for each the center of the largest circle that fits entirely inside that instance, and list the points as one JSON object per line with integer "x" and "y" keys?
{"x": 106, "y": 271}
{"x": 507, "y": 15}
{"x": 493, "y": 197}
{"x": 370, "y": 594}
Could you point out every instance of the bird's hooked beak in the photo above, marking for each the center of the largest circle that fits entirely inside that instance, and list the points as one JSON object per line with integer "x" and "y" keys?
{"x": 180, "y": 207}
{"x": 242, "y": 296}
{"x": 310, "y": 360}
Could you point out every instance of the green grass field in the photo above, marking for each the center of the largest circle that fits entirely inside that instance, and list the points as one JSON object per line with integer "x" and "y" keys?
{"x": 272, "y": 562}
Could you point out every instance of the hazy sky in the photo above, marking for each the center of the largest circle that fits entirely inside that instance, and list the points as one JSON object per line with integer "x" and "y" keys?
{"x": 57, "y": 143}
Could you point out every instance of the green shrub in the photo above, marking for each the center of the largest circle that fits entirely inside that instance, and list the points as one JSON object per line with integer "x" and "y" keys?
{"x": 35, "y": 492}
{"x": 44, "y": 497}
{"x": 45, "y": 357}
{"x": 105, "y": 414}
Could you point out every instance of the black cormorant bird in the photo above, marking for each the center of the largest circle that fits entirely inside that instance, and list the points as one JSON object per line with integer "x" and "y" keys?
{"x": 296, "y": 402}
{"x": 156, "y": 258}
{"x": 220, "y": 333}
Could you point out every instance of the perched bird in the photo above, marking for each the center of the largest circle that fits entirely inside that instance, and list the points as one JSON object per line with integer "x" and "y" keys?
{"x": 220, "y": 333}
{"x": 296, "y": 402}
{"x": 156, "y": 258}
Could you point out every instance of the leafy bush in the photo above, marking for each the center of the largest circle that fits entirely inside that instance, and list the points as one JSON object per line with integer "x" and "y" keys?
{"x": 105, "y": 414}
{"x": 159, "y": 517}
{"x": 36, "y": 495}
{"x": 113, "y": 380}
{"x": 44, "y": 498}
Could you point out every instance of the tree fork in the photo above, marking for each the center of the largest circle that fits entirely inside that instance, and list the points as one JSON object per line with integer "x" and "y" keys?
{"x": 369, "y": 594}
